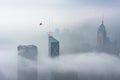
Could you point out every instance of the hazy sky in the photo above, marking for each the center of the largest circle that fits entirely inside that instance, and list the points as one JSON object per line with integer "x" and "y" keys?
{"x": 75, "y": 21}
{"x": 19, "y": 20}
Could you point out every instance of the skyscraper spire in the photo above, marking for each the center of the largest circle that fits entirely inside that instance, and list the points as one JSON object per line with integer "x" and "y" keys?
{"x": 102, "y": 20}
{"x": 101, "y": 34}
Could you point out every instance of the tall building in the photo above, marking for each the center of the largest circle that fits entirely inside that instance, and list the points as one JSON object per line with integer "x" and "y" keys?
{"x": 53, "y": 46}
{"x": 101, "y": 35}
{"x": 27, "y": 62}
{"x": 103, "y": 42}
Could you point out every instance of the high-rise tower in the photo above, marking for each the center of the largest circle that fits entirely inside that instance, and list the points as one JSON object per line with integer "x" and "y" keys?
{"x": 53, "y": 46}
{"x": 103, "y": 42}
{"x": 101, "y": 35}
{"x": 27, "y": 62}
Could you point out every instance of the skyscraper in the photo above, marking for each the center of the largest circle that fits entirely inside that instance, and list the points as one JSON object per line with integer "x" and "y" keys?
{"x": 101, "y": 35}
{"x": 27, "y": 62}
{"x": 53, "y": 46}
{"x": 103, "y": 42}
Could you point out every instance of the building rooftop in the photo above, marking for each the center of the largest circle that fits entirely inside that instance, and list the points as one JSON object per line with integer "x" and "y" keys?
{"x": 52, "y": 39}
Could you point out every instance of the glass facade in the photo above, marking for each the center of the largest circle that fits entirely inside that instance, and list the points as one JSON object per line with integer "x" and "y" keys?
{"x": 53, "y": 47}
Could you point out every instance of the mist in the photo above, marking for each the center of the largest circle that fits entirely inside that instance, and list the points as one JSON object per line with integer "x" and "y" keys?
{"x": 74, "y": 24}
{"x": 77, "y": 60}
{"x": 76, "y": 66}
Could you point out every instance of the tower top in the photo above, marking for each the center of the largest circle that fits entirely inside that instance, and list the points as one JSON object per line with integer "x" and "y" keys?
{"x": 102, "y": 19}
{"x": 102, "y": 27}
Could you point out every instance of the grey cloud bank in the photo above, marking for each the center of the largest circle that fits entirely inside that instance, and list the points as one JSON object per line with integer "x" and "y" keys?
{"x": 92, "y": 66}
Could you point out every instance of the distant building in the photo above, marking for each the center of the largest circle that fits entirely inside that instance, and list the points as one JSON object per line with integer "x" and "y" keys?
{"x": 102, "y": 38}
{"x": 103, "y": 42}
{"x": 53, "y": 46}
{"x": 27, "y": 62}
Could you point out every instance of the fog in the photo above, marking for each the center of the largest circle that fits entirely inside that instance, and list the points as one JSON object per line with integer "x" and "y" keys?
{"x": 80, "y": 66}
{"x": 77, "y": 60}
{"x": 90, "y": 66}
{"x": 74, "y": 23}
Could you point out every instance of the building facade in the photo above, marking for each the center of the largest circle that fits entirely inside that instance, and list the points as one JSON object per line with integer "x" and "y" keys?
{"x": 53, "y": 46}
{"x": 103, "y": 42}
{"x": 27, "y": 62}
{"x": 101, "y": 35}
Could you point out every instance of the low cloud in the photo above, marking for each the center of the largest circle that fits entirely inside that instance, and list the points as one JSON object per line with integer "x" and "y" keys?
{"x": 75, "y": 66}
{"x": 92, "y": 66}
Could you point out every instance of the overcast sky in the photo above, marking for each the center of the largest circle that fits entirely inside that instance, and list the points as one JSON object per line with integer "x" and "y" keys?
{"x": 77, "y": 22}
{"x": 19, "y": 19}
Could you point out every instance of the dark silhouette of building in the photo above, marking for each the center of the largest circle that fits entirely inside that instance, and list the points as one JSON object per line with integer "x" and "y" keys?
{"x": 27, "y": 62}
{"x": 53, "y": 46}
